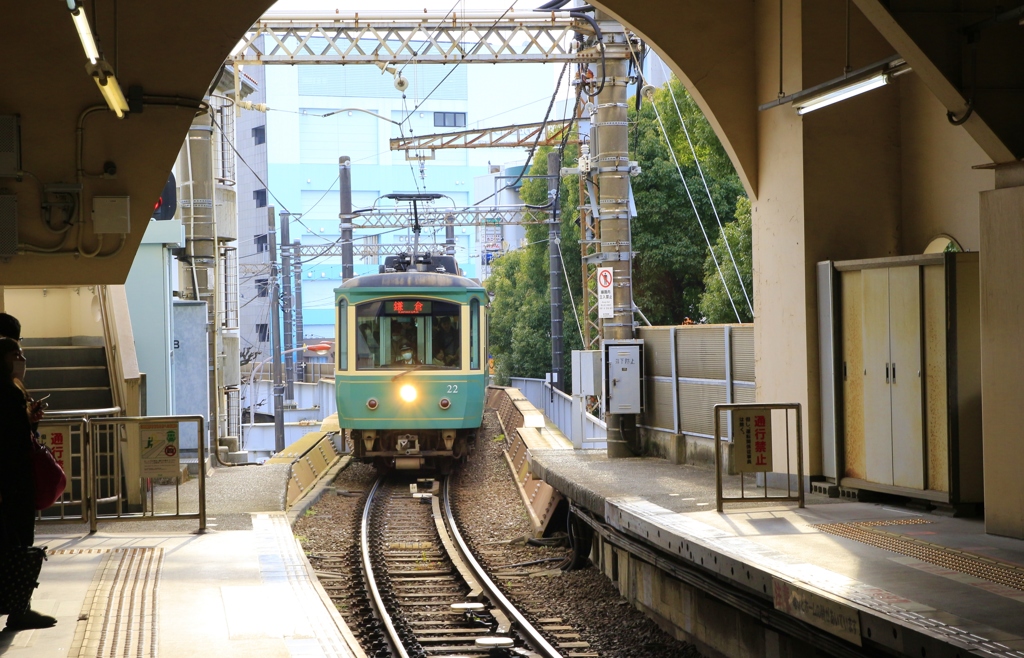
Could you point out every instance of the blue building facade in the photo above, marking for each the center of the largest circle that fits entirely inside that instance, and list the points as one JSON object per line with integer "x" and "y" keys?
{"x": 296, "y": 150}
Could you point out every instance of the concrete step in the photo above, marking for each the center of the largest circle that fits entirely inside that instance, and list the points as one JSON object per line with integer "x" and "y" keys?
{"x": 98, "y": 397}
{"x": 59, "y": 356}
{"x": 68, "y": 377}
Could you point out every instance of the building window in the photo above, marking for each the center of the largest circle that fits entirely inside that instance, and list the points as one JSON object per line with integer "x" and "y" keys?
{"x": 262, "y": 333}
{"x": 450, "y": 119}
{"x": 261, "y": 243}
{"x": 260, "y": 197}
{"x": 259, "y": 135}
{"x": 262, "y": 287}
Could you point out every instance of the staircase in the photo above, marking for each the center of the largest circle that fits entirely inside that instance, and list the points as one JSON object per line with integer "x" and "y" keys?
{"x": 74, "y": 376}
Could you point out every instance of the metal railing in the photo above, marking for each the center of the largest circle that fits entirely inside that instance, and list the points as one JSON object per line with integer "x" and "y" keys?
{"x": 110, "y": 470}
{"x": 558, "y": 407}
{"x": 752, "y": 449}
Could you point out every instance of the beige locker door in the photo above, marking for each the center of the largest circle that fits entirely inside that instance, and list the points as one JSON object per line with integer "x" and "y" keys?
{"x": 908, "y": 452}
{"x": 877, "y": 398}
{"x": 853, "y": 374}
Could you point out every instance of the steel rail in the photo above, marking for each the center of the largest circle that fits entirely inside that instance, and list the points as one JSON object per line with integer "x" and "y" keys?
{"x": 493, "y": 593}
{"x": 378, "y": 604}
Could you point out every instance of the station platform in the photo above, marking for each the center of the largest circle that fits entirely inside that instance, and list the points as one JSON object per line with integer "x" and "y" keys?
{"x": 154, "y": 587}
{"x": 867, "y": 575}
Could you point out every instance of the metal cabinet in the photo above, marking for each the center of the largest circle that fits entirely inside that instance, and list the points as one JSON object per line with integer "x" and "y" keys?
{"x": 904, "y": 374}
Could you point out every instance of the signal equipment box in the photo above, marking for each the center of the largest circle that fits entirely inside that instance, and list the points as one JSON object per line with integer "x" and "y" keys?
{"x": 623, "y": 376}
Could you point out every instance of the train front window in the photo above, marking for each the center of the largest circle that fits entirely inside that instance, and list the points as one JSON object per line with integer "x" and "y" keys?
{"x": 406, "y": 333}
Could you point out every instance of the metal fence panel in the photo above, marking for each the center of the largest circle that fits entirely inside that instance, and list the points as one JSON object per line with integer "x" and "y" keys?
{"x": 701, "y": 352}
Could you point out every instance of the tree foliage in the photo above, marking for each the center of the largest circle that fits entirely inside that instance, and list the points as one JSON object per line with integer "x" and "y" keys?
{"x": 671, "y": 280}
{"x": 715, "y": 305}
{"x": 520, "y": 329}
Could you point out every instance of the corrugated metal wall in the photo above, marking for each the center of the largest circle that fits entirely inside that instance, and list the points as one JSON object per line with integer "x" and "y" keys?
{"x": 710, "y": 361}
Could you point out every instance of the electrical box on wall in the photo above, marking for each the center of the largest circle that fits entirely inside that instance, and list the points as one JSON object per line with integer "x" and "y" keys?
{"x": 111, "y": 214}
{"x": 586, "y": 372}
{"x": 10, "y": 146}
{"x": 623, "y": 376}
{"x": 8, "y": 225}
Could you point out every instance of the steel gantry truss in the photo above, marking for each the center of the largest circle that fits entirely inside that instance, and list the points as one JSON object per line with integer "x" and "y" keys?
{"x": 523, "y": 135}
{"x": 423, "y": 38}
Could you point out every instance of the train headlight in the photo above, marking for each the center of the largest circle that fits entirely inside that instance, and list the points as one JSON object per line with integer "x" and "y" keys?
{"x": 407, "y": 392}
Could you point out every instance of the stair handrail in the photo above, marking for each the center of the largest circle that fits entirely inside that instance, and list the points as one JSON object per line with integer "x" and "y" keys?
{"x": 122, "y": 361}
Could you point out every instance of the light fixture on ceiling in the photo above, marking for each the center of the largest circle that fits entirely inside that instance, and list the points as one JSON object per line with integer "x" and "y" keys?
{"x": 846, "y": 86}
{"x": 97, "y": 67}
{"x": 842, "y": 93}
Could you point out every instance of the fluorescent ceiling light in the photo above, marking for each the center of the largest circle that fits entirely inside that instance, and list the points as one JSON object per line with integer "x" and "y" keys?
{"x": 85, "y": 34}
{"x": 104, "y": 77}
{"x": 842, "y": 93}
{"x": 97, "y": 67}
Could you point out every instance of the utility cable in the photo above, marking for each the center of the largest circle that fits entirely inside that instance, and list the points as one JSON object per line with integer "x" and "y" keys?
{"x": 668, "y": 144}
{"x": 568, "y": 287}
{"x": 711, "y": 249}
{"x": 540, "y": 133}
{"x": 714, "y": 209}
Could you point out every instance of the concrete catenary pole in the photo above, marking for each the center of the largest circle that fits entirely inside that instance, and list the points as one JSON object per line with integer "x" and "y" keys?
{"x": 275, "y": 333}
{"x": 555, "y": 266}
{"x": 345, "y": 215}
{"x": 201, "y": 246}
{"x": 286, "y": 307}
{"x": 300, "y": 372}
{"x": 611, "y": 167}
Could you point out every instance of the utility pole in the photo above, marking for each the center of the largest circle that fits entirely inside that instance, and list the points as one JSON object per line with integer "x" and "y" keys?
{"x": 345, "y": 215}
{"x": 286, "y": 305}
{"x": 612, "y": 169}
{"x": 555, "y": 266}
{"x": 275, "y": 324}
{"x": 201, "y": 244}
{"x": 300, "y": 373}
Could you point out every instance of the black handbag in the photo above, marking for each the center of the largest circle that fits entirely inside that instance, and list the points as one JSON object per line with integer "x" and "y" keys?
{"x": 19, "y": 576}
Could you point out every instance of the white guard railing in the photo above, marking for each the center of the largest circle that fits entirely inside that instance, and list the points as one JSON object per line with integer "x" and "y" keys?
{"x": 558, "y": 407}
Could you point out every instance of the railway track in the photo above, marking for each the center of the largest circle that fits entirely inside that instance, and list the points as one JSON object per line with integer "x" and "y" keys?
{"x": 428, "y": 591}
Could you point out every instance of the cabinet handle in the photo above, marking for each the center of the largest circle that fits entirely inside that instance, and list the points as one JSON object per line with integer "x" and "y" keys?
{"x": 893, "y": 372}
{"x": 886, "y": 373}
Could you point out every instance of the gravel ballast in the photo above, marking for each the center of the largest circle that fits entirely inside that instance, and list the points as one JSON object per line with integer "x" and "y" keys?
{"x": 493, "y": 520}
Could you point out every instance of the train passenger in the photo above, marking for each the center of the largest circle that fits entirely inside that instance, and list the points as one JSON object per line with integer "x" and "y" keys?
{"x": 446, "y": 343}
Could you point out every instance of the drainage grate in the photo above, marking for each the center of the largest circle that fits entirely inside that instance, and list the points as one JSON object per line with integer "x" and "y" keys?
{"x": 969, "y": 564}
{"x": 119, "y": 616}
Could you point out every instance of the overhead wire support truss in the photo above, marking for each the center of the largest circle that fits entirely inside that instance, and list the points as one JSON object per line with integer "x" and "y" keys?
{"x": 522, "y": 135}
{"x": 398, "y": 37}
{"x": 471, "y": 216}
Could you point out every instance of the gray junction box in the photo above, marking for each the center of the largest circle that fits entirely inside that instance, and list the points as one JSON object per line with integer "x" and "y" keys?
{"x": 623, "y": 376}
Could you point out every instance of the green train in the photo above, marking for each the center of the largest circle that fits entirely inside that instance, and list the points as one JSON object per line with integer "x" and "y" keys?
{"x": 411, "y": 365}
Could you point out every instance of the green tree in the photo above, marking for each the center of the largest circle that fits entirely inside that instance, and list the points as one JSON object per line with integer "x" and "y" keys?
{"x": 520, "y": 313}
{"x": 715, "y": 306}
{"x": 668, "y": 272}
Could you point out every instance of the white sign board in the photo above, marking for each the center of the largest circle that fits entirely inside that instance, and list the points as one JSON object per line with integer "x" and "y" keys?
{"x": 58, "y": 439}
{"x": 605, "y": 298}
{"x": 159, "y": 449}
{"x": 752, "y": 429}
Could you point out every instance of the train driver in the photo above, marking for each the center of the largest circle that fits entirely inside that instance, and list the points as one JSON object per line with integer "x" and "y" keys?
{"x": 406, "y": 355}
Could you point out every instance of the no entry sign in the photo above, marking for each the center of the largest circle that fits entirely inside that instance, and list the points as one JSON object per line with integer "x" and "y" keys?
{"x": 605, "y": 297}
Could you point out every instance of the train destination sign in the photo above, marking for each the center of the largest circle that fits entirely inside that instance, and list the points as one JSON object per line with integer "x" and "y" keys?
{"x": 753, "y": 439}
{"x": 408, "y": 307}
